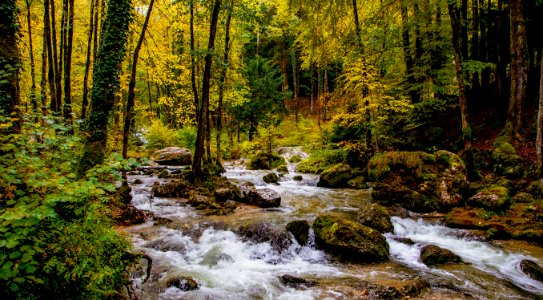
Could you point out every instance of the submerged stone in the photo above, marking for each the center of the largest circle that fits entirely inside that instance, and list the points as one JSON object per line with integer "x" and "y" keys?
{"x": 271, "y": 178}
{"x": 260, "y": 232}
{"x": 184, "y": 283}
{"x": 300, "y": 230}
{"x": 532, "y": 269}
{"x": 432, "y": 255}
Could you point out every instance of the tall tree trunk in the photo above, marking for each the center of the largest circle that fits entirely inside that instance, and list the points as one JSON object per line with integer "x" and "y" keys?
{"x": 33, "y": 97}
{"x": 55, "y": 107}
{"x": 466, "y": 130}
{"x": 85, "y": 101}
{"x": 312, "y": 87}
{"x": 284, "y": 64}
{"x": 199, "y": 151}
{"x": 409, "y": 65}
{"x": 98, "y": 5}
{"x": 222, "y": 82}
{"x": 464, "y": 29}
{"x": 519, "y": 73}
{"x": 10, "y": 61}
{"x": 295, "y": 83}
{"x": 50, "y": 53}
{"x": 193, "y": 62}
{"x": 105, "y": 81}
{"x": 43, "y": 82}
{"x": 69, "y": 32}
{"x": 357, "y": 27}
{"x": 539, "y": 138}
{"x": 474, "y": 55}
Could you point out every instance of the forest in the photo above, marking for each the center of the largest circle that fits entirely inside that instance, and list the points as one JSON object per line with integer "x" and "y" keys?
{"x": 123, "y": 123}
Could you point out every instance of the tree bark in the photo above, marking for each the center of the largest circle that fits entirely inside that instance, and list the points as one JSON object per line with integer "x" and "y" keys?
{"x": 105, "y": 82}
{"x": 10, "y": 63}
{"x": 199, "y": 151}
{"x": 466, "y": 130}
{"x": 539, "y": 138}
{"x": 519, "y": 73}
{"x": 295, "y": 83}
{"x": 55, "y": 106}
{"x": 43, "y": 82}
{"x": 409, "y": 65}
{"x": 85, "y": 101}
{"x": 358, "y": 27}
{"x": 193, "y": 62}
{"x": 69, "y": 32}
{"x": 33, "y": 98}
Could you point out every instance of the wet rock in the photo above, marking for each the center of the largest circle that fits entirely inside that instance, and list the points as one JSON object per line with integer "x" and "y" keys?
{"x": 494, "y": 198}
{"x": 415, "y": 288}
{"x": 184, "y": 283}
{"x": 418, "y": 181}
{"x": 282, "y": 169}
{"x": 432, "y": 255}
{"x": 264, "y": 198}
{"x": 532, "y": 269}
{"x": 523, "y": 197}
{"x": 214, "y": 256}
{"x": 226, "y": 193}
{"x": 166, "y": 244}
{"x": 297, "y": 178}
{"x": 173, "y": 156}
{"x": 137, "y": 181}
{"x": 176, "y": 188}
{"x": 163, "y": 173}
{"x": 260, "y": 232}
{"x": 506, "y": 161}
{"x": 349, "y": 240}
{"x": 265, "y": 161}
{"x": 376, "y": 291}
{"x": 296, "y": 282}
{"x": 271, "y": 178}
{"x": 300, "y": 230}
{"x": 397, "y": 211}
{"x": 406, "y": 241}
{"x": 202, "y": 202}
{"x": 337, "y": 176}
{"x": 160, "y": 221}
{"x": 375, "y": 216}
{"x": 359, "y": 182}
{"x": 245, "y": 191}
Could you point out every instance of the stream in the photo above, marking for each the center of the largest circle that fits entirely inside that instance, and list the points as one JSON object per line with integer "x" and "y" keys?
{"x": 182, "y": 241}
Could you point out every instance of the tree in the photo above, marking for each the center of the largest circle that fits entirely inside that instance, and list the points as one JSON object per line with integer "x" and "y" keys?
{"x": 10, "y": 61}
{"x": 539, "y": 138}
{"x": 105, "y": 81}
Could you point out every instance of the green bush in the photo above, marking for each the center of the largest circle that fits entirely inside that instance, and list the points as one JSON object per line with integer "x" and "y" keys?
{"x": 320, "y": 160}
{"x": 56, "y": 239}
{"x": 186, "y": 137}
{"x": 159, "y": 136}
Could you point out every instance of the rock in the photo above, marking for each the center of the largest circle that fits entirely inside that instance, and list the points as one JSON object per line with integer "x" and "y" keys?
{"x": 265, "y": 161}
{"x": 176, "y": 188}
{"x": 376, "y": 291}
{"x": 397, "y": 211}
{"x": 297, "y": 178}
{"x": 245, "y": 190}
{"x": 350, "y": 241}
{"x": 523, "y": 197}
{"x": 183, "y": 283}
{"x": 282, "y": 169}
{"x": 506, "y": 161}
{"x": 163, "y": 174}
{"x": 300, "y": 231}
{"x": 271, "y": 178}
{"x": 532, "y": 269}
{"x": 494, "y": 198}
{"x": 260, "y": 232}
{"x": 226, "y": 193}
{"x": 337, "y": 176}
{"x": 418, "y": 181}
{"x": 166, "y": 244}
{"x": 375, "y": 216}
{"x": 359, "y": 182}
{"x": 202, "y": 202}
{"x": 214, "y": 256}
{"x": 173, "y": 156}
{"x": 295, "y": 282}
{"x": 137, "y": 181}
{"x": 264, "y": 198}
{"x": 406, "y": 241}
{"x": 415, "y": 288}
{"x": 432, "y": 255}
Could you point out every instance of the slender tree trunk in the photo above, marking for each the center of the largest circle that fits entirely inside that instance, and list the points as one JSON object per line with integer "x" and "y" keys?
{"x": 466, "y": 130}
{"x": 519, "y": 74}
{"x": 312, "y": 87}
{"x": 222, "y": 81}
{"x": 199, "y": 151}
{"x": 105, "y": 82}
{"x": 539, "y": 138}
{"x": 295, "y": 83}
{"x": 357, "y": 27}
{"x": 33, "y": 98}
{"x": 55, "y": 107}
{"x": 409, "y": 65}
{"x": 193, "y": 62}
{"x": 68, "y": 65}
{"x": 85, "y": 101}
{"x": 464, "y": 29}
{"x": 129, "y": 114}
{"x": 50, "y": 53}
{"x": 95, "y": 42}
{"x": 43, "y": 82}
{"x": 10, "y": 60}
{"x": 474, "y": 55}
{"x": 284, "y": 64}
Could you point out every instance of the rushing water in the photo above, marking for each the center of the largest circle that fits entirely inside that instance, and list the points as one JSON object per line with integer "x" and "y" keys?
{"x": 226, "y": 267}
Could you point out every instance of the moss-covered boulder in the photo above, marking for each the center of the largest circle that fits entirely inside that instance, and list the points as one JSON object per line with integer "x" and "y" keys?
{"x": 260, "y": 232}
{"x": 271, "y": 178}
{"x": 418, "y": 181}
{"x": 506, "y": 161}
{"x": 184, "y": 283}
{"x": 300, "y": 230}
{"x": 523, "y": 197}
{"x": 265, "y": 161}
{"x": 350, "y": 241}
{"x": 375, "y": 216}
{"x": 432, "y": 255}
{"x": 173, "y": 156}
{"x": 227, "y": 193}
{"x": 532, "y": 269}
{"x": 494, "y": 198}
{"x": 337, "y": 176}
{"x": 297, "y": 178}
{"x": 176, "y": 188}
{"x": 282, "y": 169}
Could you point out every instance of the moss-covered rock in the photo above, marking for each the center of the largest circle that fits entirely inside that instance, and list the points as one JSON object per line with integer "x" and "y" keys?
{"x": 282, "y": 169}
{"x": 359, "y": 182}
{"x": 532, "y": 269}
{"x": 506, "y": 161}
{"x": 337, "y": 176}
{"x": 176, "y": 188}
{"x": 494, "y": 198}
{"x": 375, "y": 216}
{"x": 300, "y": 230}
{"x": 227, "y": 193}
{"x": 432, "y": 255}
{"x": 260, "y": 232}
{"x": 271, "y": 178}
{"x": 265, "y": 161}
{"x": 523, "y": 197}
{"x": 350, "y": 241}
{"x": 184, "y": 283}
{"x": 418, "y": 181}
{"x": 297, "y": 178}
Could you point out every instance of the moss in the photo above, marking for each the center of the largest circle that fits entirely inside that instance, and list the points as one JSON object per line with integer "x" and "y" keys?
{"x": 265, "y": 161}
{"x": 295, "y": 159}
{"x": 380, "y": 165}
{"x": 337, "y": 176}
{"x": 282, "y": 169}
{"x": 494, "y": 198}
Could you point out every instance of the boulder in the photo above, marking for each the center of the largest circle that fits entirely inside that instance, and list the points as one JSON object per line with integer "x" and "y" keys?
{"x": 264, "y": 198}
{"x": 297, "y": 178}
{"x": 506, "y": 161}
{"x": 260, "y": 232}
{"x": 271, "y": 178}
{"x": 265, "y": 161}
{"x": 300, "y": 230}
{"x": 245, "y": 191}
{"x": 349, "y": 240}
{"x": 173, "y": 156}
{"x": 397, "y": 211}
{"x": 337, "y": 176}
{"x": 375, "y": 216}
{"x": 295, "y": 282}
{"x": 432, "y": 255}
{"x": 523, "y": 197}
{"x": 203, "y": 202}
{"x": 282, "y": 169}
{"x": 532, "y": 269}
{"x": 494, "y": 198}
{"x": 176, "y": 188}
{"x": 418, "y": 181}
{"x": 183, "y": 283}
{"x": 226, "y": 193}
